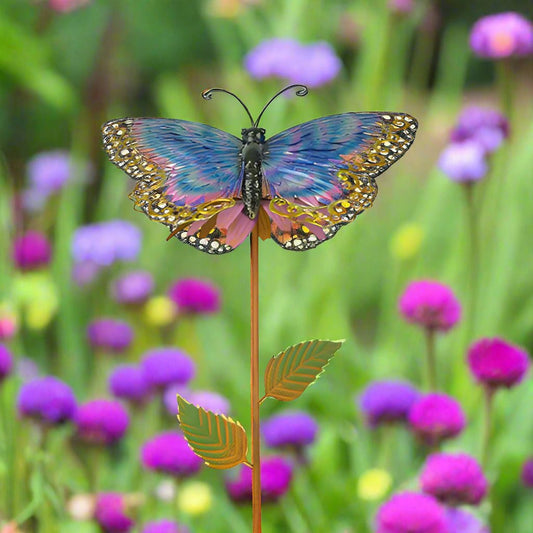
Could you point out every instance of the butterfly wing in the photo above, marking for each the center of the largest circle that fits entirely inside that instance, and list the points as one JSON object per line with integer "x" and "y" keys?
{"x": 321, "y": 174}
{"x": 187, "y": 174}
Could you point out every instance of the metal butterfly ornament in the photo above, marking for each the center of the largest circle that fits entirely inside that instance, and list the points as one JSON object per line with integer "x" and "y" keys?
{"x": 299, "y": 186}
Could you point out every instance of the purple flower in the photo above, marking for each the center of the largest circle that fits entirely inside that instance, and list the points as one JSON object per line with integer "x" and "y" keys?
{"x": 293, "y": 429}
{"x": 110, "y": 513}
{"x": 47, "y": 399}
{"x": 436, "y": 417}
{"x": 48, "y": 172}
{"x": 85, "y": 273}
{"x": 164, "y": 526}
{"x": 31, "y": 251}
{"x": 430, "y": 304}
{"x": 410, "y": 512}
{"x": 454, "y": 479}
{"x": 387, "y": 401}
{"x": 133, "y": 288}
{"x": 314, "y": 64}
{"x": 464, "y": 161}
{"x": 210, "y": 401}
{"x": 166, "y": 366}
{"x": 105, "y": 243}
{"x": 6, "y": 362}
{"x": 527, "y": 473}
{"x": 487, "y": 127}
{"x": 502, "y": 35}
{"x": 169, "y": 453}
{"x": 401, "y": 7}
{"x": 129, "y": 383}
{"x": 276, "y": 476}
{"x": 110, "y": 335}
{"x": 101, "y": 421}
{"x": 461, "y": 521}
{"x": 496, "y": 363}
{"x": 195, "y": 296}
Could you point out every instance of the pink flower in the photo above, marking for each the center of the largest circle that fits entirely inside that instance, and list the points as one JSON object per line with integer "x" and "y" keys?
{"x": 193, "y": 295}
{"x": 64, "y": 6}
{"x": 110, "y": 513}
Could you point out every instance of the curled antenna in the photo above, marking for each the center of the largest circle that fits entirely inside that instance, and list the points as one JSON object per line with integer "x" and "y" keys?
{"x": 208, "y": 94}
{"x": 301, "y": 90}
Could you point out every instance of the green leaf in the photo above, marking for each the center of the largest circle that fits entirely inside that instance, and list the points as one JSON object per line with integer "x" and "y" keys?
{"x": 217, "y": 439}
{"x": 290, "y": 372}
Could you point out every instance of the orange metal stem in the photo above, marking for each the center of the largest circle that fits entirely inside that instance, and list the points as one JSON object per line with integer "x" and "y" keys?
{"x": 254, "y": 379}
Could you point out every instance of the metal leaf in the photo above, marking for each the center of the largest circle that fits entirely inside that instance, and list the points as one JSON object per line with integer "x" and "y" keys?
{"x": 290, "y": 372}
{"x": 217, "y": 439}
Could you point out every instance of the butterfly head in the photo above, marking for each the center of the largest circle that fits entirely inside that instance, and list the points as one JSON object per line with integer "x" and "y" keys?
{"x": 253, "y": 135}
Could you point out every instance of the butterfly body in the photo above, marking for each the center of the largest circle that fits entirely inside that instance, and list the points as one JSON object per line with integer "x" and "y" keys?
{"x": 299, "y": 186}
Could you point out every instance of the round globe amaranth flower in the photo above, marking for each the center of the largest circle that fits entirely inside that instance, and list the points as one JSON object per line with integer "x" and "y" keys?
{"x": 105, "y": 243}
{"x": 48, "y": 172}
{"x": 160, "y": 311}
{"x": 128, "y": 382}
{"x": 502, "y": 35}
{"x": 407, "y": 241}
{"x": 291, "y": 429}
{"x": 314, "y": 65}
{"x": 31, "y": 251}
{"x": 276, "y": 477}
{"x": 169, "y": 452}
{"x": 387, "y": 401}
{"x": 6, "y": 362}
{"x": 164, "y": 526}
{"x": 195, "y": 296}
{"x": 101, "y": 422}
{"x": 195, "y": 498}
{"x": 110, "y": 335}
{"x": 47, "y": 399}
{"x": 373, "y": 484}
{"x": 430, "y": 304}
{"x": 496, "y": 363}
{"x": 436, "y": 417}
{"x": 210, "y": 401}
{"x": 464, "y": 162}
{"x": 454, "y": 479}
{"x": 461, "y": 521}
{"x": 527, "y": 473}
{"x": 410, "y": 512}
{"x": 110, "y": 513}
{"x": 133, "y": 288}
{"x": 8, "y": 322}
{"x": 486, "y": 127}
{"x": 166, "y": 366}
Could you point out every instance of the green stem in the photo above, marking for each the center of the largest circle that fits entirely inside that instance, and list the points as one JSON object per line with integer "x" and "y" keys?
{"x": 506, "y": 82}
{"x": 431, "y": 360}
{"x": 473, "y": 257}
{"x": 488, "y": 408}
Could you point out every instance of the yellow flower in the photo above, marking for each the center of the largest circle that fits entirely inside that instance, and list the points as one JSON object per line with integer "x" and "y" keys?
{"x": 406, "y": 242}
{"x": 159, "y": 311}
{"x": 195, "y": 498}
{"x": 374, "y": 484}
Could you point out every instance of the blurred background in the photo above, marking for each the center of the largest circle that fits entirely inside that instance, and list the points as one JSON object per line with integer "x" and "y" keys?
{"x": 451, "y": 210}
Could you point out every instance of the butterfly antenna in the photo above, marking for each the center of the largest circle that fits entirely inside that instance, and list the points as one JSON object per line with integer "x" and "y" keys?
{"x": 301, "y": 90}
{"x": 208, "y": 94}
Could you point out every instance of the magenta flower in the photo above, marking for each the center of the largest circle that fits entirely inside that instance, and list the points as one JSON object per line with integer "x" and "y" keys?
{"x": 210, "y": 401}
{"x": 436, "y": 417}
{"x": 290, "y": 429}
{"x": 166, "y": 366}
{"x": 31, "y": 251}
{"x": 454, "y": 479}
{"x": 133, "y": 288}
{"x": 169, "y": 453}
{"x": 430, "y": 304}
{"x": 527, "y": 473}
{"x": 276, "y": 476}
{"x": 195, "y": 296}
{"x": 496, "y": 363}
{"x": 387, "y": 401}
{"x": 410, "y": 512}
{"x": 101, "y": 422}
{"x": 461, "y": 521}
{"x": 6, "y": 362}
{"x": 464, "y": 162}
{"x": 8, "y": 325}
{"x": 47, "y": 399}
{"x": 110, "y": 513}
{"x": 128, "y": 382}
{"x": 164, "y": 526}
{"x": 110, "y": 335}
{"x": 502, "y": 35}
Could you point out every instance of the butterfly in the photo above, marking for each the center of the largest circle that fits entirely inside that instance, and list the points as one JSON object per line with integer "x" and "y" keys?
{"x": 299, "y": 186}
